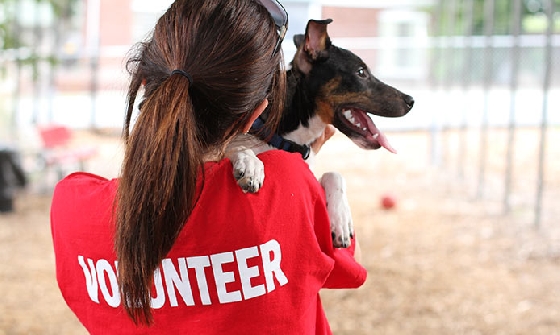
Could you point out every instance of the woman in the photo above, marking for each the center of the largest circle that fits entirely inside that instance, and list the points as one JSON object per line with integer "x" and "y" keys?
{"x": 195, "y": 254}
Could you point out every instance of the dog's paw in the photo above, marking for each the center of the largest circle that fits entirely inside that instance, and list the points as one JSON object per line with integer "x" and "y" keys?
{"x": 248, "y": 171}
{"x": 342, "y": 228}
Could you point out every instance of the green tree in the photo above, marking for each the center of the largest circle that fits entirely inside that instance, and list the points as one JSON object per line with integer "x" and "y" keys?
{"x": 11, "y": 36}
{"x": 19, "y": 47}
{"x": 455, "y": 16}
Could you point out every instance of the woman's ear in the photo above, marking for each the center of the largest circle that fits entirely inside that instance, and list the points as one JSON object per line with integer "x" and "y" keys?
{"x": 258, "y": 111}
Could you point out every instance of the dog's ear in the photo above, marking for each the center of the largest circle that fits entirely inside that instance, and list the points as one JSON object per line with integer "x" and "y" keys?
{"x": 298, "y": 40}
{"x": 313, "y": 46}
{"x": 317, "y": 40}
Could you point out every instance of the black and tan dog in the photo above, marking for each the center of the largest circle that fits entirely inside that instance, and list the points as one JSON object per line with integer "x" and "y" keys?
{"x": 326, "y": 85}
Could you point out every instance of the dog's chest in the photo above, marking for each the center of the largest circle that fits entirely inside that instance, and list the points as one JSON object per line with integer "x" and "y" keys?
{"x": 306, "y": 135}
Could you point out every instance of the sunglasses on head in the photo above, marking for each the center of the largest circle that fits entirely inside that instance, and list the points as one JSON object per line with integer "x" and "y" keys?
{"x": 280, "y": 17}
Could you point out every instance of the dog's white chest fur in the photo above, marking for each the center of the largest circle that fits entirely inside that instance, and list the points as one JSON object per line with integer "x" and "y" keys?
{"x": 306, "y": 135}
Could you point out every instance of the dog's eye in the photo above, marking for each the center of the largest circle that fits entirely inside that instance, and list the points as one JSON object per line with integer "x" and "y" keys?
{"x": 362, "y": 72}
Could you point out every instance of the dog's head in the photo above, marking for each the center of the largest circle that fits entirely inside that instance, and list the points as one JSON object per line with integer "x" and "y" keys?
{"x": 345, "y": 91}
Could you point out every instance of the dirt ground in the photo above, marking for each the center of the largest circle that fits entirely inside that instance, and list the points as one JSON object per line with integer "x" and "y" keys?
{"x": 446, "y": 260}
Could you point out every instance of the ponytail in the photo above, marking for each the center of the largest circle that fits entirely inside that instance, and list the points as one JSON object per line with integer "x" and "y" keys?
{"x": 156, "y": 190}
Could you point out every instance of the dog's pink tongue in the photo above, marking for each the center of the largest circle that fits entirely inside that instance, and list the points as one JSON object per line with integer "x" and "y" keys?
{"x": 382, "y": 139}
{"x": 377, "y": 135}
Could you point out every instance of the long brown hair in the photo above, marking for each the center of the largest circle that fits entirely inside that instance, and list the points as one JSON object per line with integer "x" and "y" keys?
{"x": 226, "y": 47}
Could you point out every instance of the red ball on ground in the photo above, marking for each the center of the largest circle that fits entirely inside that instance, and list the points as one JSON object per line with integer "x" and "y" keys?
{"x": 388, "y": 201}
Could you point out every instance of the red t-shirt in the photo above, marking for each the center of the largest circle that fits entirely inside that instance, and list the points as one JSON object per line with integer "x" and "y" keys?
{"x": 243, "y": 263}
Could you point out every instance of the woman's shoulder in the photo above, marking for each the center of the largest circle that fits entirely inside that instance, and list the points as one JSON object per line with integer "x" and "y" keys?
{"x": 288, "y": 169}
{"x": 83, "y": 182}
{"x": 285, "y": 162}
{"x": 80, "y": 193}
{"x": 81, "y": 178}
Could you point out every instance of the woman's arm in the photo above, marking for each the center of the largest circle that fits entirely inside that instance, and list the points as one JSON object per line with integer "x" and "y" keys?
{"x": 347, "y": 272}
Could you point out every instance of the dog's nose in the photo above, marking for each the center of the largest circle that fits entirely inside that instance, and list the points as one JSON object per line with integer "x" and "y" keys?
{"x": 409, "y": 101}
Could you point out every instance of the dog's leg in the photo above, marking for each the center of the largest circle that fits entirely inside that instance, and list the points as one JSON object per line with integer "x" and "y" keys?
{"x": 338, "y": 208}
{"x": 248, "y": 170}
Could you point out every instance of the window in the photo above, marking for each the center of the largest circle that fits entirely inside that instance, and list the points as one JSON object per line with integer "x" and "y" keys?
{"x": 404, "y": 36}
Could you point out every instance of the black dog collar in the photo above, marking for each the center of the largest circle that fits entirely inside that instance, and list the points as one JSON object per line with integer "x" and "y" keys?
{"x": 278, "y": 141}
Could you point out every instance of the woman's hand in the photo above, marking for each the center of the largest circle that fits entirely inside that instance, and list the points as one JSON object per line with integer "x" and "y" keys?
{"x": 325, "y": 136}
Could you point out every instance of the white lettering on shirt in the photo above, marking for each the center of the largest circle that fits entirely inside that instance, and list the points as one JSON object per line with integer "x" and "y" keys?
{"x": 159, "y": 300}
{"x": 255, "y": 270}
{"x": 271, "y": 265}
{"x": 91, "y": 278}
{"x": 106, "y": 273}
{"x": 223, "y": 277}
{"x": 247, "y": 273}
{"x": 175, "y": 281}
{"x": 199, "y": 263}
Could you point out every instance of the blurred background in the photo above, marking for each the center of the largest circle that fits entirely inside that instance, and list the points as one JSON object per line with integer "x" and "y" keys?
{"x": 471, "y": 244}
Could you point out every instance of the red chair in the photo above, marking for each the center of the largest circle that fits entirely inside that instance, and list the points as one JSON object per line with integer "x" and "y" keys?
{"x": 58, "y": 151}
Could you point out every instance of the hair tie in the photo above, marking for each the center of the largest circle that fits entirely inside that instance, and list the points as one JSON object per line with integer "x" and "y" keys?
{"x": 183, "y": 73}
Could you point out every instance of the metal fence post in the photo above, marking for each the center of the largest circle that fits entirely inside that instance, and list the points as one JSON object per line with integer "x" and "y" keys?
{"x": 549, "y": 11}
{"x": 468, "y": 8}
{"x": 449, "y": 60}
{"x": 489, "y": 7}
{"x": 514, "y": 85}
{"x": 436, "y": 59}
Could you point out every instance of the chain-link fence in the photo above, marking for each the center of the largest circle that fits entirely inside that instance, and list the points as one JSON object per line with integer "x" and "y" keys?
{"x": 505, "y": 55}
